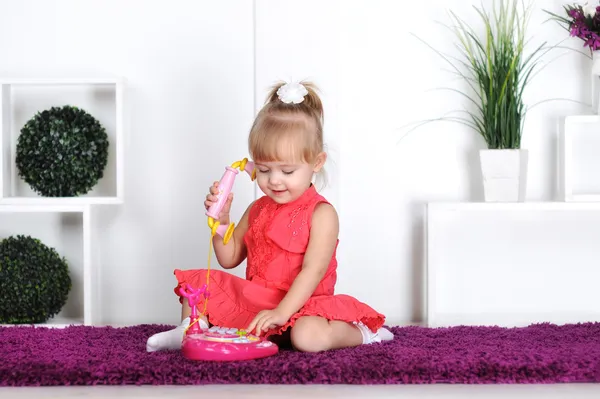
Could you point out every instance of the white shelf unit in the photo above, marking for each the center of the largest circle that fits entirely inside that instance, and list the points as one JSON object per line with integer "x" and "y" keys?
{"x": 512, "y": 264}
{"x": 578, "y": 159}
{"x": 22, "y": 98}
{"x": 59, "y": 227}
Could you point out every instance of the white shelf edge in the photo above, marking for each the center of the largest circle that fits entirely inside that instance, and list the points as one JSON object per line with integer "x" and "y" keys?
{"x": 120, "y": 104}
{"x": 56, "y": 322}
{"x": 518, "y": 206}
{"x": 4, "y": 125}
{"x": 428, "y": 295}
{"x": 583, "y": 198}
{"x": 582, "y": 118}
{"x": 88, "y": 280}
{"x": 15, "y": 208}
{"x": 443, "y": 320}
{"x": 60, "y": 80}
{"x": 48, "y": 201}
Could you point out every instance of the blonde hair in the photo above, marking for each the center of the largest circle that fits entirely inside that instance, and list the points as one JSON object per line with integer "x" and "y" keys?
{"x": 283, "y": 131}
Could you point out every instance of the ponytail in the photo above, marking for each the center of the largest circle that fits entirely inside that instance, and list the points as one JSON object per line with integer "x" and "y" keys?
{"x": 310, "y": 104}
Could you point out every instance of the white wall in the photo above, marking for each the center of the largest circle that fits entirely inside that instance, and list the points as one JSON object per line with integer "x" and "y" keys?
{"x": 197, "y": 69}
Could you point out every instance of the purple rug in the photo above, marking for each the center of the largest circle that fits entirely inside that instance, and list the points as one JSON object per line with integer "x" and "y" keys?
{"x": 540, "y": 353}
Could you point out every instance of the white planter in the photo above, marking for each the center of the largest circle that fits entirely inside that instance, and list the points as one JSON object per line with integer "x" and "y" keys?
{"x": 504, "y": 175}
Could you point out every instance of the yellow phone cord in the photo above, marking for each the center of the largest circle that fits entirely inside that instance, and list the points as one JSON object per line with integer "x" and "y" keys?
{"x": 206, "y": 292}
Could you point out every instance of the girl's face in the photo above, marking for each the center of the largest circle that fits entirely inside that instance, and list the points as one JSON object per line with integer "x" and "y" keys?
{"x": 284, "y": 181}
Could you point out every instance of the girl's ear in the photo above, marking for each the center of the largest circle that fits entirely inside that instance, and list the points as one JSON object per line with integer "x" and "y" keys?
{"x": 319, "y": 162}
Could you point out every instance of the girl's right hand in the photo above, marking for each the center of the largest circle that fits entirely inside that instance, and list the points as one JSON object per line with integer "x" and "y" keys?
{"x": 211, "y": 199}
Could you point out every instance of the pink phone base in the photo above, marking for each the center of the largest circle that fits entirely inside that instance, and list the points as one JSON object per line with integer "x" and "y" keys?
{"x": 219, "y": 343}
{"x": 226, "y": 344}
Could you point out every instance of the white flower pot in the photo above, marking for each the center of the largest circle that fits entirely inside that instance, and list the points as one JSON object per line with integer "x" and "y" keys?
{"x": 504, "y": 174}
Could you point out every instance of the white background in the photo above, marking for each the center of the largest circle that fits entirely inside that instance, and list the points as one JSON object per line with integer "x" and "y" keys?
{"x": 198, "y": 71}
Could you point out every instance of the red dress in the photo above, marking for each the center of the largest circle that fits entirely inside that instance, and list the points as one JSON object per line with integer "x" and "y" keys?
{"x": 277, "y": 239}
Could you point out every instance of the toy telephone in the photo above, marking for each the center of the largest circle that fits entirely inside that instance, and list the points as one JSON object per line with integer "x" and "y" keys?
{"x": 219, "y": 343}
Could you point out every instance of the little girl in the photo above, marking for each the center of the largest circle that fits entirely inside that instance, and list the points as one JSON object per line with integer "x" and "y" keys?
{"x": 289, "y": 237}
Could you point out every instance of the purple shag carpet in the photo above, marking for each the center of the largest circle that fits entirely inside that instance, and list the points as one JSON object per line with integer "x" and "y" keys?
{"x": 541, "y": 353}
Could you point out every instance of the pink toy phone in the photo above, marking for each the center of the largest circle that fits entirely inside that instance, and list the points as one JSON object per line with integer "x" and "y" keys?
{"x": 225, "y": 186}
{"x": 226, "y": 344}
{"x": 219, "y": 343}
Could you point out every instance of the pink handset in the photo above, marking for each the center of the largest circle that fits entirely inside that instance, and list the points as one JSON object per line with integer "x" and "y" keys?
{"x": 225, "y": 186}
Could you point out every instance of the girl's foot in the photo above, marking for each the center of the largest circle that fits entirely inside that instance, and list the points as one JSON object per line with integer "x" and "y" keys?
{"x": 168, "y": 340}
{"x": 369, "y": 337}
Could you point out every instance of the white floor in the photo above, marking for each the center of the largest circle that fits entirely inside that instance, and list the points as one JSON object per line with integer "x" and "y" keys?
{"x": 312, "y": 391}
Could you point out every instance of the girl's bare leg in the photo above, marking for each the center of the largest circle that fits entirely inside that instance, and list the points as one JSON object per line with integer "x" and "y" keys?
{"x": 186, "y": 312}
{"x": 316, "y": 334}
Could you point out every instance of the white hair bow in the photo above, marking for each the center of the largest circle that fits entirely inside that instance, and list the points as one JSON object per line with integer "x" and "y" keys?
{"x": 292, "y": 93}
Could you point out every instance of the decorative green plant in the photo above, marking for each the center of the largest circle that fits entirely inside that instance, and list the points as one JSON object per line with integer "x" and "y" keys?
{"x": 497, "y": 71}
{"x": 34, "y": 281}
{"x": 62, "y": 152}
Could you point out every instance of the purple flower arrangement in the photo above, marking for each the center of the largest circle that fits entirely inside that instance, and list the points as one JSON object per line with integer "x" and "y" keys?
{"x": 582, "y": 21}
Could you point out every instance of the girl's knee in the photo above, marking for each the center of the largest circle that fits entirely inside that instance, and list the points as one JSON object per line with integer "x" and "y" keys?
{"x": 311, "y": 335}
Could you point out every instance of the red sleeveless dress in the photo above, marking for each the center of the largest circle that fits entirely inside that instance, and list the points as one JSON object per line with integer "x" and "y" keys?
{"x": 277, "y": 239}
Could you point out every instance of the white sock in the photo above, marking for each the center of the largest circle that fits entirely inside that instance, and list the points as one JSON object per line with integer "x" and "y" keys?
{"x": 369, "y": 337}
{"x": 170, "y": 339}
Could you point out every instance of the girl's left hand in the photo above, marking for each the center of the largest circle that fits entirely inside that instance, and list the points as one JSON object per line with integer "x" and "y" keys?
{"x": 267, "y": 319}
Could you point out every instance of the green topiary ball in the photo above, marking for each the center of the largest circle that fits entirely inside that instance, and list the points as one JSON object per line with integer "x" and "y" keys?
{"x": 62, "y": 152}
{"x": 34, "y": 281}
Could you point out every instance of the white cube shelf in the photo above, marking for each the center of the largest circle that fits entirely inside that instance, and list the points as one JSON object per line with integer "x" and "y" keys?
{"x": 512, "y": 264}
{"x": 579, "y": 162}
{"x": 21, "y": 99}
{"x": 67, "y": 229}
